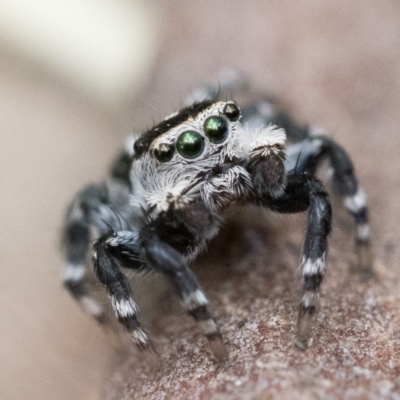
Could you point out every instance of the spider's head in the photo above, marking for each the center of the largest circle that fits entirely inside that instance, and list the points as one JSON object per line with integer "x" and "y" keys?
{"x": 195, "y": 133}
{"x": 187, "y": 145}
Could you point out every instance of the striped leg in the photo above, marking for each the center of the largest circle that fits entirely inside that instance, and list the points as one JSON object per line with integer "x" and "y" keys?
{"x": 356, "y": 205}
{"x": 76, "y": 243}
{"x": 346, "y": 184}
{"x": 307, "y": 156}
{"x": 196, "y": 305}
{"x": 305, "y": 192}
{"x": 165, "y": 259}
{"x": 110, "y": 251}
{"x": 89, "y": 210}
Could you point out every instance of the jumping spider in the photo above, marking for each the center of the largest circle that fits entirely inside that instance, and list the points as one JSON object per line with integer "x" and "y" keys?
{"x": 166, "y": 194}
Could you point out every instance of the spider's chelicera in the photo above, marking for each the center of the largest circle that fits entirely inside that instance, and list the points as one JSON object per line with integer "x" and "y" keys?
{"x": 182, "y": 174}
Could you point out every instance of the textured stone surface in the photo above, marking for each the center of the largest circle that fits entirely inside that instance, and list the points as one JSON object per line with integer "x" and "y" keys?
{"x": 354, "y": 353}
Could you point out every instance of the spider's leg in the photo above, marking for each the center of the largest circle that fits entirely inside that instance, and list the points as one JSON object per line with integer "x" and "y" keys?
{"x": 76, "y": 243}
{"x": 111, "y": 251}
{"x": 88, "y": 212}
{"x": 309, "y": 154}
{"x": 304, "y": 192}
{"x": 167, "y": 260}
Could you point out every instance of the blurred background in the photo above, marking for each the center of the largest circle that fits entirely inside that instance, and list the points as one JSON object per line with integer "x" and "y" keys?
{"x": 77, "y": 76}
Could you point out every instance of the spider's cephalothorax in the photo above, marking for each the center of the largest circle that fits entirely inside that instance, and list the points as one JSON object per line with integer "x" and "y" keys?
{"x": 181, "y": 175}
{"x": 208, "y": 157}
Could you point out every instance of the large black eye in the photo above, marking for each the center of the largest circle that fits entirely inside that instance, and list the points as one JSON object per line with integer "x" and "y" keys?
{"x": 231, "y": 110}
{"x": 164, "y": 153}
{"x": 216, "y": 129}
{"x": 190, "y": 144}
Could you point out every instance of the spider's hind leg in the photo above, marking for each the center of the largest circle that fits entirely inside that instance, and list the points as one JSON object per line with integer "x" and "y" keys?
{"x": 307, "y": 155}
{"x": 89, "y": 212}
{"x": 76, "y": 243}
{"x": 92, "y": 211}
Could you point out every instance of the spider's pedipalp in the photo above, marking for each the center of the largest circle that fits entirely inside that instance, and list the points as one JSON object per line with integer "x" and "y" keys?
{"x": 264, "y": 149}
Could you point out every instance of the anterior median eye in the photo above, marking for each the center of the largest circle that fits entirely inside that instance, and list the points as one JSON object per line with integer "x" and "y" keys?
{"x": 216, "y": 129}
{"x": 190, "y": 144}
{"x": 164, "y": 152}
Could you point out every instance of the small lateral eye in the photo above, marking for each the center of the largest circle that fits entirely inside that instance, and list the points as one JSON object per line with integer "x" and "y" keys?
{"x": 138, "y": 147}
{"x": 164, "y": 152}
{"x": 190, "y": 144}
{"x": 231, "y": 110}
{"x": 216, "y": 129}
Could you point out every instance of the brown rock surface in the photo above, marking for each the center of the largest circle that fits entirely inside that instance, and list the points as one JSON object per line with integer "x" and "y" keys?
{"x": 334, "y": 64}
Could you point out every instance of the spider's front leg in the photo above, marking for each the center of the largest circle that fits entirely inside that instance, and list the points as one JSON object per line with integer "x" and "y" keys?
{"x": 304, "y": 192}
{"x": 110, "y": 252}
{"x": 161, "y": 245}
{"x": 90, "y": 211}
{"x": 292, "y": 194}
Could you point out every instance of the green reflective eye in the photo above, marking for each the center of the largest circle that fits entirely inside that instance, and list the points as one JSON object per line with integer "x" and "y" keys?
{"x": 190, "y": 144}
{"x": 216, "y": 129}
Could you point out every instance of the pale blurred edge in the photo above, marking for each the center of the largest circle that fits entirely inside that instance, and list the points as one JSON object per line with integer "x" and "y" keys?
{"x": 102, "y": 48}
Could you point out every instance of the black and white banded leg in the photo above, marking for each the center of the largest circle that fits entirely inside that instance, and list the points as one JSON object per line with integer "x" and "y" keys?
{"x": 310, "y": 153}
{"x": 356, "y": 205}
{"x": 304, "y": 192}
{"x": 76, "y": 241}
{"x": 165, "y": 259}
{"x": 109, "y": 253}
{"x": 89, "y": 213}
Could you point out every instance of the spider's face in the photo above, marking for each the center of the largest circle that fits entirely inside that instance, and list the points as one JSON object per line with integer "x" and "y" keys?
{"x": 207, "y": 135}
{"x": 187, "y": 145}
